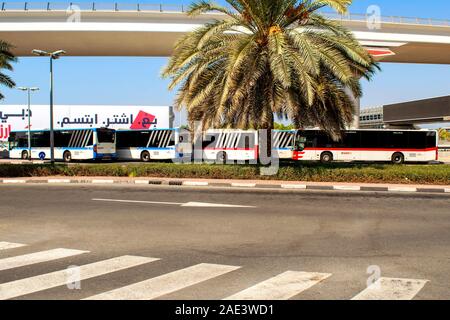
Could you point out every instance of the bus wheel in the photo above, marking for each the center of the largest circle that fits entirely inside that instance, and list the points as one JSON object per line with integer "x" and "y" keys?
{"x": 25, "y": 155}
{"x": 326, "y": 157}
{"x": 221, "y": 158}
{"x": 67, "y": 156}
{"x": 145, "y": 156}
{"x": 398, "y": 158}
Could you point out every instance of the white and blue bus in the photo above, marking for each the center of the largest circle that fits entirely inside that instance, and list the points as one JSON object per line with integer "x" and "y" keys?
{"x": 147, "y": 145}
{"x": 70, "y": 144}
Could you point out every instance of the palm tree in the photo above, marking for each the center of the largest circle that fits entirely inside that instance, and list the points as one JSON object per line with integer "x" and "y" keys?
{"x": 6, "y": 58}
{"x": 269, "y": 57}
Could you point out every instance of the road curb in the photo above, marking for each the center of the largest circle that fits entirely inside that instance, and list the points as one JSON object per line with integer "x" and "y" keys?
{"x": 238, "y": 185}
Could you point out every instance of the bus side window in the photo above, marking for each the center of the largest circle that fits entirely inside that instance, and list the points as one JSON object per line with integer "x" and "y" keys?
{"x": 209, "y": 141}
{"x": 246, "y": 142}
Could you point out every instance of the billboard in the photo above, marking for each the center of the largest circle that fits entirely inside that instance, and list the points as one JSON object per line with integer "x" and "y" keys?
{"x": 15, "y": 118}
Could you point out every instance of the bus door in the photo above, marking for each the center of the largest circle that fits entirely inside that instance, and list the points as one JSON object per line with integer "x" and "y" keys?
{"x": 298, "y": 150}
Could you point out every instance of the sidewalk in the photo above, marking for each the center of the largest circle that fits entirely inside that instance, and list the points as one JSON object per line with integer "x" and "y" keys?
{"x": 19, "y": 161}
{"x": 245, "y": 184}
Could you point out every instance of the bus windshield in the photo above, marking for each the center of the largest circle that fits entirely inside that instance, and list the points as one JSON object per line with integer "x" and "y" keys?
{"x": 105, "y": 136}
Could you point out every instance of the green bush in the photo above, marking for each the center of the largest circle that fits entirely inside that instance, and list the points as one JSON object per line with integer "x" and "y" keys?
{"x": 294, "y": 171}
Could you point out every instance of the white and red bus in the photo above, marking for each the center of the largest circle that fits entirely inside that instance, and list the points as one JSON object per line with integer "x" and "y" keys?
{"x": 230, "y": 145}
{"x": 396, "y": 146}
{"x": 243, "y": 145}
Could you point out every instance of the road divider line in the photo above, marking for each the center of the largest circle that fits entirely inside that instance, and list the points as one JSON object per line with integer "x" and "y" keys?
{"x": 10, "y": 245}
{"x": 167, "y": 283}
{"x": 14, "y": 181}
{"x": 187, "y": 204}
{"x": 243, "y": 185}
{"x": 294, "y": 186}
{"x": 392, "y": 289}
{"x": 64, "y": 277}
{"x": 195, "y": 183}
{"x": 347, "y": 188}
{"x": 58, "y": 181}
{"x": 37, "y": 257}
{"x": 138, "y": 201}
{"x": 213, "y": 205}
{"x": 281, "y": 287}
{"x": 402, "y": 189}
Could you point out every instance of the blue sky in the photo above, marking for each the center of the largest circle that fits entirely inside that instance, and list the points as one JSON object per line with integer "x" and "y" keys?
{"x": 136, "y": 81}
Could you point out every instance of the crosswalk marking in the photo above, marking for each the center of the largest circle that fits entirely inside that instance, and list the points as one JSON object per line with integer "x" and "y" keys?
{"x": 392, "y": 289}
{"x": 281, "y": 287}
{"x": 58, "y": 278}
{"x": 37, "y": 257}
{"x": 9, "y": 245}
{"x": 165, "y": 284}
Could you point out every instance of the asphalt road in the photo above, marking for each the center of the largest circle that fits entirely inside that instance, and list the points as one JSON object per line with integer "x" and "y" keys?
{"x": 337, "y": 234}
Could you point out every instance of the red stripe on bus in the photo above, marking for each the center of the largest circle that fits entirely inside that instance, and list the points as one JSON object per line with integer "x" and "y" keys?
{"x": 371, "y": 149}
{"x": 228, "y": 149}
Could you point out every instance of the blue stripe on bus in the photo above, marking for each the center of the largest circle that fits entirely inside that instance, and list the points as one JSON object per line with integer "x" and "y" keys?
{"x": 56, "y": 148}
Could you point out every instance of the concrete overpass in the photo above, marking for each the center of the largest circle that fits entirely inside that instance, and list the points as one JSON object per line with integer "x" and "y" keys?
{"x": 92, "y": 29}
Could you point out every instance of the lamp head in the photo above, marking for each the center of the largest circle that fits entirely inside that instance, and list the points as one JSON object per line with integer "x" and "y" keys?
{"x": 57, "y": 54}
{"x": 39, "y": 52}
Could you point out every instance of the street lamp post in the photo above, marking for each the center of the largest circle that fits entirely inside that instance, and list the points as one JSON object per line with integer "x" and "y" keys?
{"x": 29, "y": 90}
{"x": 53, "y": 56}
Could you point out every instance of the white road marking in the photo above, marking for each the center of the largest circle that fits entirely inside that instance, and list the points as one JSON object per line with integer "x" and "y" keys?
{"x": 281, "y": 287}
{"x": 9, "y": 245}
{"x": 402, "y": 189}
{"x": 103, "y": 181}
{"x": 392, "y": 289}
{"x": 447, "y": 190}
{"x": 58, "y": 278}
{"x": 37, "y": 257}
{"x": 347, "y": 188}
{"x": 213, "y": 205}
{"x": 58, "y": 181}
{"x": 294, "y": 186}
{"x": 167, "y": 283}
{"x": 195, "y": 183}
{"x": 187, "y": 204}
{"x": 139, "y": 201}
{"x": 14, "y": 181}
{"x": 244, "y": 185}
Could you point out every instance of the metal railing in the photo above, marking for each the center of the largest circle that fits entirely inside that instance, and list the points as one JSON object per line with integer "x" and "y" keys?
{"x": 145, "y": 7}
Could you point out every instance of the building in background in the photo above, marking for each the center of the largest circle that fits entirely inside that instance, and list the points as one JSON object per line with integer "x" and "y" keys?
{"x": 407, "y": 115}
{"x": 371, "y": 118}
